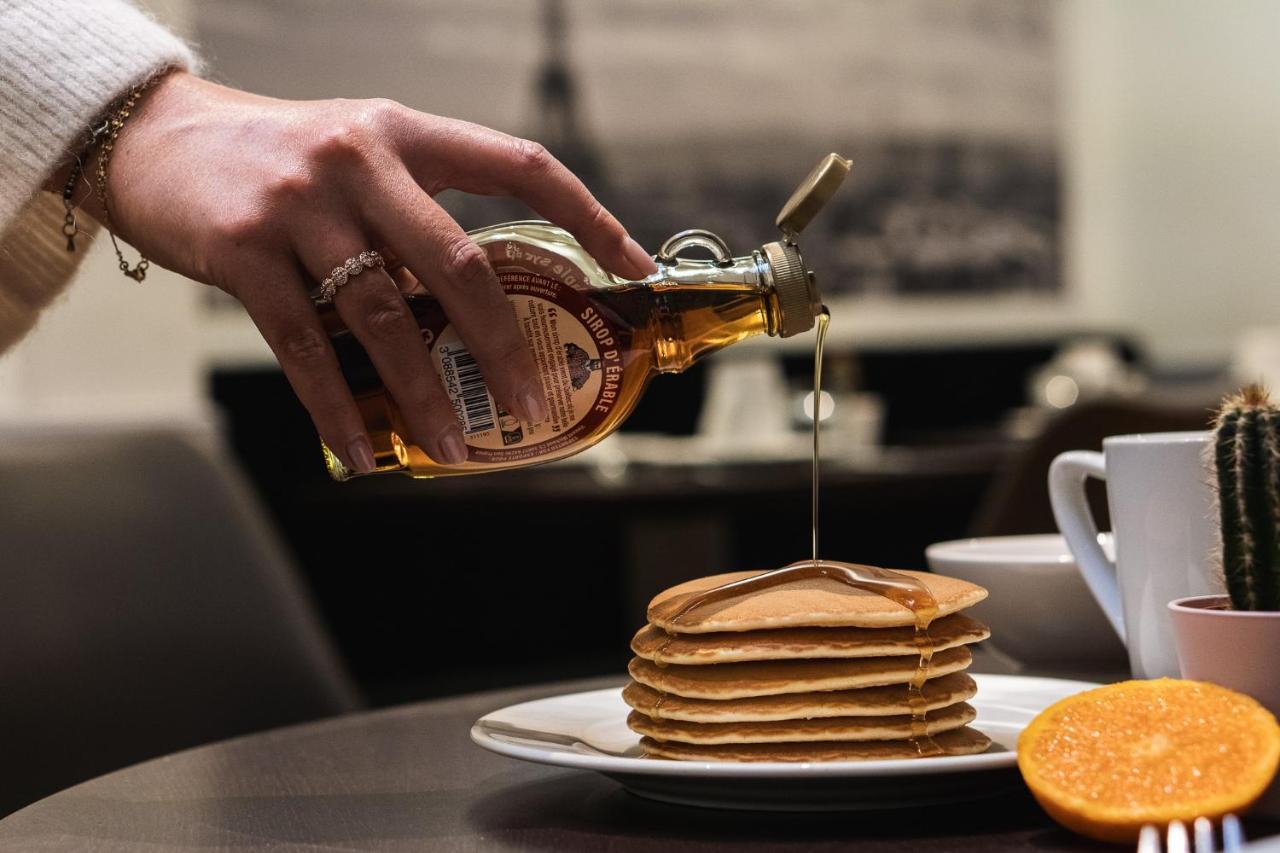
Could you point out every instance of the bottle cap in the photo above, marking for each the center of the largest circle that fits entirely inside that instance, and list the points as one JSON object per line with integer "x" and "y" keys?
{"x": 796, "y": 289}
{"x": 797, "y": 292}
{"x": 812, "y": 195}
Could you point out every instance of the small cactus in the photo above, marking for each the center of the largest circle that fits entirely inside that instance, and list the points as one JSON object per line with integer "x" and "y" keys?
{"x": 1247, "y": 460}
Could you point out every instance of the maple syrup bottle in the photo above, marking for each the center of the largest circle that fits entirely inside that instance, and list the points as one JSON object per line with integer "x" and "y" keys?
{"x": 597, "y": 339}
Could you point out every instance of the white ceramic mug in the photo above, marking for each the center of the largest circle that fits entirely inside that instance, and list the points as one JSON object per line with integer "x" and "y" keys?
{"x": 1162, "y": 515}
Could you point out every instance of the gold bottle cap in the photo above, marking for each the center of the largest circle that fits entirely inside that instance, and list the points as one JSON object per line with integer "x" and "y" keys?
{"x": 797, "y": 292}
{"x": 812, "y": 194}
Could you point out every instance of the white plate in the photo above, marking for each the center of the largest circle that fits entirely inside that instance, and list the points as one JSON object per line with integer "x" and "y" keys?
{"x": 588, "y": 731}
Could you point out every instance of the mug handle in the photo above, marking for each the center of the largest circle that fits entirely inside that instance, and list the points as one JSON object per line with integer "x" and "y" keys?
{"x": 1071, "y": 510}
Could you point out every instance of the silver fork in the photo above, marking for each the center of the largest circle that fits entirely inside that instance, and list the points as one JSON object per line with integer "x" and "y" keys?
{"x": 1177, "y": 840}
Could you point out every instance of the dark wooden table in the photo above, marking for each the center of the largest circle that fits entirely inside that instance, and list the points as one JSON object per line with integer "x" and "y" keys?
{"x": 409, "y": 778}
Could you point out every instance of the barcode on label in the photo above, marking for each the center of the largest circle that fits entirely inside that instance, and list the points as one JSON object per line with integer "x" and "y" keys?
{"x": 477, "y": 408}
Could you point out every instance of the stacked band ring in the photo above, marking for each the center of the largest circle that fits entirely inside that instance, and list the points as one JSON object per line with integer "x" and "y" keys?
{"x": 349, "y": 269}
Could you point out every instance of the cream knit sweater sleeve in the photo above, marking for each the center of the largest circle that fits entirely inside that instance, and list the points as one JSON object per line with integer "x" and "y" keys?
{"x": 61, "y": 63}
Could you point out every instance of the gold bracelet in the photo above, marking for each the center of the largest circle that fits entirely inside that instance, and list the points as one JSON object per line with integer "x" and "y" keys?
{"x": 70, "y": 228}
{"x": 113, "y": 125}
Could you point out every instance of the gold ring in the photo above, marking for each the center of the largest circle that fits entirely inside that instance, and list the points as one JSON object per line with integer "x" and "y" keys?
{"x": 349, "y": 269}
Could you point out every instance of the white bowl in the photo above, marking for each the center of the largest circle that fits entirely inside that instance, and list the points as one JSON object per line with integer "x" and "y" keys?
{"x": 1039, "y": 609}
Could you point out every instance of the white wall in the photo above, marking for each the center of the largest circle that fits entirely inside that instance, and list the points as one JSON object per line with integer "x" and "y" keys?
{"x": 111, "y": 349}
{"x": 1171, "y": 139}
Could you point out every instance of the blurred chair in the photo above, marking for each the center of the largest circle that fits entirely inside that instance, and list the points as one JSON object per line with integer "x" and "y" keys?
{"x": 145, "y": 606}
{"x": 1018, "y": 499}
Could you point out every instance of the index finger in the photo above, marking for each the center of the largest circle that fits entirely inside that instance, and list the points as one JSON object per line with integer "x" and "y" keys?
{"x": 486, "y": 162}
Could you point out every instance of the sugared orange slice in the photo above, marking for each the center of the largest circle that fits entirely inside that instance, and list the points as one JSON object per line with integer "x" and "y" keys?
{"x": 1106, "y": 761}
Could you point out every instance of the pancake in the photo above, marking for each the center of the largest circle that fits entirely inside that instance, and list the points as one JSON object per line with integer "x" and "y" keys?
{"x": 801, "y": 731}
{"x": 811, "y": 602}
{"x": 865, "y": 702}
{"x": 655, "y": 644}
{"x": 767, "y": 678}
{"x": 965, "y": 741}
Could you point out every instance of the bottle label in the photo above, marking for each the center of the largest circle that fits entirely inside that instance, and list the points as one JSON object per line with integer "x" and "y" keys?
{"x": 577, "y": 351}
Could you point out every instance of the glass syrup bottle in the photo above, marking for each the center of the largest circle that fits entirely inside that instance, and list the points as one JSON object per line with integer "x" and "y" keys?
{"x": 597, "y": 339}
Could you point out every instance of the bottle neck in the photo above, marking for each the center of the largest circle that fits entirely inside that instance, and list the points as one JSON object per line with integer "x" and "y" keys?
{"x": 701, "y": 307}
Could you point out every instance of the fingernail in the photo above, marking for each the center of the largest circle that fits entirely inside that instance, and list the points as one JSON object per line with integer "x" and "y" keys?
{"x": 361, "y": 453}
{"x": 639, "y": 258}
{"x": 453, "y": 449}
{"x": 535, "y": 405}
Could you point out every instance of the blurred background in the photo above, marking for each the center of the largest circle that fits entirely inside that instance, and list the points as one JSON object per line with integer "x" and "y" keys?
{"x": 1060, "y": 225}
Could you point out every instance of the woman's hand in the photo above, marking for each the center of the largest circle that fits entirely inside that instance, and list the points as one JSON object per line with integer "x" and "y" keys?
{"x": 262, "y": 198}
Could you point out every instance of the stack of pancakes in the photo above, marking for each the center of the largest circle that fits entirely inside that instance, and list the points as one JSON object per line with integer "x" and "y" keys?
{"x": 810, "y": 670}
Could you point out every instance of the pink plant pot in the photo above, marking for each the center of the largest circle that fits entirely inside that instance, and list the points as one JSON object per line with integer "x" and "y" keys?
{"x": 1233, "y": 648}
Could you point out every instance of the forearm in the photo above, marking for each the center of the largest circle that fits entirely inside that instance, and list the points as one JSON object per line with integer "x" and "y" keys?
{"x": 78, "y": 172}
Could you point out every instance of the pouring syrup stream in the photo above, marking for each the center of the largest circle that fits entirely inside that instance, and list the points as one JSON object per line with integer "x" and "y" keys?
{"x": 900, "y": 588}
{"x": 824, "y": 320}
